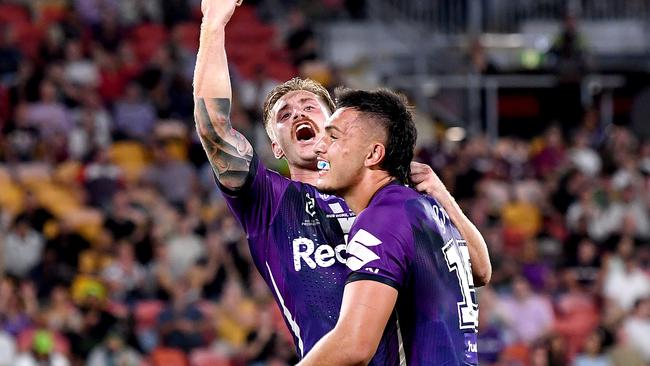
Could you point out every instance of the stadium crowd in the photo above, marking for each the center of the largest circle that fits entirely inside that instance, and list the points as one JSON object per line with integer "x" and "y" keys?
{"x": 117, "y": 248}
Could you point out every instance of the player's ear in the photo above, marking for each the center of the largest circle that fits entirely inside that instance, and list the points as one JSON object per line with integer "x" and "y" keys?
{"x": 277, "y": 150}
{"x": 375, "y": 155}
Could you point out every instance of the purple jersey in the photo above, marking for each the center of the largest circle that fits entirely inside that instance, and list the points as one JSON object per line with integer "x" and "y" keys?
{"x": 406, "y": 240}
{"x": 296, "y": 238}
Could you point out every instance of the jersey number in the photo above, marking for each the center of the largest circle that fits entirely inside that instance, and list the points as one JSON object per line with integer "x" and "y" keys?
{"x": 457, "y": 257}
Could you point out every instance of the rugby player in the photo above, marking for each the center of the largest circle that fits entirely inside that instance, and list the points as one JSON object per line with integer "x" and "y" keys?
{"x": 410, "y": 285}
{"x": 296, "y": 234}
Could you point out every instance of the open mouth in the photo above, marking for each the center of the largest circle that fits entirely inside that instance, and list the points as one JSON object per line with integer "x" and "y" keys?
{"x": 305, "y": 132}
{"x": 323, "y": 165}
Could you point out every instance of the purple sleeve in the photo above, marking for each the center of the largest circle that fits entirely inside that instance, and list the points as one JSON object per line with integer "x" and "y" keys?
{"x": 379, "y": 248}
{"x": 255, "y": 203}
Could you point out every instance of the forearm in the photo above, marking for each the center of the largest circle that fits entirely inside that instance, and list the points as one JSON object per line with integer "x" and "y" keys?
{"x": 227, "y": 150}
{"x": 335, "y": 348}
{"x": 478, "y": 251}
{"x": 211, "y": 77}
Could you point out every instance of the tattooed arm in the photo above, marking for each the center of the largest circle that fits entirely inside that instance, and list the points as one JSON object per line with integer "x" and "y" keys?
{"x": 228, "y": 151}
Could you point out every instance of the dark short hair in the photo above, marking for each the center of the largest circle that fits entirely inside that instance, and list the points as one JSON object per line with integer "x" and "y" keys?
{"x": 295, "y": 84}
{"x": 391, "y": 111}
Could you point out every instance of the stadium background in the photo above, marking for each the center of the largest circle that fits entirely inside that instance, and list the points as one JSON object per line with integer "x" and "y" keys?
{"x": 536, "y": 114}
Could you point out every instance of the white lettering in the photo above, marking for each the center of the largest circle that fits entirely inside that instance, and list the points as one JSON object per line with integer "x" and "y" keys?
{"x": 338, "y": 249}
{"x": 316, "y": 256}
{"x": 303, "y": 248}
{"x": 324, "y": 256}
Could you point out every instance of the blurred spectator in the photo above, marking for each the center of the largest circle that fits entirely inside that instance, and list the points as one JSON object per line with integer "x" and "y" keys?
{"x": 300, "y": 40}
{"x": 67, "y": 246}
{"x": 235, "y": 316}
{"x": 625, "y": 285}
{"x": 125, "y": 276}
{"x": 122, "y": 219}
{"x": 7, "y": 349}
{"x": 92, "y": 127}
{"x": 527, "y": 316}
{"x": 551, "y": 154}
{"x": 36, "y": 215}
{"x": 637, "y": 327}
{"x": 42, "y": 352}
{"x": 114, "y": 351}
{"x": 175, "y": 179}
{"x": 577, "y": 312}
{"x": 18, "y": 306}
{"x": 109, "y": 32}
{"x": 22, "y": 138}
{"x": 593, "y": 354}
{"x": 583, "y": 156}
{"x": 132, "y": 12}
{"x": 10, "y": 56}
{"x": 624, "y": 353}
{"x": 102, "y": 180}
{"x": 134, "y": 114}
{"x": 61, "y": 314}
{"x": 569, "y": 57}
{"x": 181, "y": 324}
{"x": 23, "y": 248}
{"x": 48, "y": 115}
{"x": 96, "y": 323}
{"x": 78, "y": 70}
{"x": 185, "y": 248}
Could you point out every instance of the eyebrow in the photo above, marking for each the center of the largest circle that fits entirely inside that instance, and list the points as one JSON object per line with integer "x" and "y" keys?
{"x": 330, "y": 128}
{"x": 300, "y": 101}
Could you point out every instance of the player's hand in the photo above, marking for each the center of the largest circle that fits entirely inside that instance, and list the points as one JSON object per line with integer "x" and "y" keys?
{"x": 426, "y": 181}
{"x": 218, "y": 11}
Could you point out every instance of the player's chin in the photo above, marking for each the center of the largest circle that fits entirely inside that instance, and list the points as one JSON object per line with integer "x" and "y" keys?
{"x": 323, "y": 185}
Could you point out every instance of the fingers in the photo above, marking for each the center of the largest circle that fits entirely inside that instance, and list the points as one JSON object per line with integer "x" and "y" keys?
{"x": 418, "y": 177}
{"x": 419, "y": 168}
{"x": 422, "y": 187}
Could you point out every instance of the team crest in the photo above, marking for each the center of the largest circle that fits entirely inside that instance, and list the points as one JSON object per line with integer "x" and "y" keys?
{"x": 310, "y": 205}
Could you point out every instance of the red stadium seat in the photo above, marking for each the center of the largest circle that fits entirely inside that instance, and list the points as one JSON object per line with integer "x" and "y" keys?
{"x": 168, "y": 357}
{"x": 148, "y": 39}
{"x": 187, "y": 35}
{"x": 146, "y": 313}
{"x": 13, "y": 13}
{"x": 52, "y": 14}
{"x": 28, "y": 37}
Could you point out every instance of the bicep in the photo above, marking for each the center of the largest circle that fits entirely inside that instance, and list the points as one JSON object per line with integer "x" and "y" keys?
{"x": 228, "y": 151}
{"x": 367, "y": 305}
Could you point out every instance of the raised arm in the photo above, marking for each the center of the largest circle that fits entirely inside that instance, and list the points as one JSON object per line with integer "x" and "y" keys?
{"x": 427, "y": 181}
{"x": 228, "y": 151}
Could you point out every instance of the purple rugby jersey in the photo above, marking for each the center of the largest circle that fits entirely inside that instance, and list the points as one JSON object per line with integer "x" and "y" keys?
{"x": 406, "y": 240}
{"x": 296, "y": 236}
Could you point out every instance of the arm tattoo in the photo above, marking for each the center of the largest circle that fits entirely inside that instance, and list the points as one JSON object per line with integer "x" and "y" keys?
{"x": 228, "y": 151}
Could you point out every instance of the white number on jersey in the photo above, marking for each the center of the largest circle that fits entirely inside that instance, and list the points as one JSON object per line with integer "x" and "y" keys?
{"x": 457, "y": 257}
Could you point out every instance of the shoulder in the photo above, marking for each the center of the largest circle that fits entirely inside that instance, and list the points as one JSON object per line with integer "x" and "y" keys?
{"x": 387, "y": 216}
{"x": 390, "y": 207}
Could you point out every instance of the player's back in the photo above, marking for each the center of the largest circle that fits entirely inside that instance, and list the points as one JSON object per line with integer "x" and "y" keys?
{"x": 421, "y": 253}
{"x": 439, "y": 303}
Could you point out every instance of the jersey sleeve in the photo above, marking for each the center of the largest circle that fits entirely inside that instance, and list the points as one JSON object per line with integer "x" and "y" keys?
{"x": 257, "y": 200}
{"x": 379, "y": 249}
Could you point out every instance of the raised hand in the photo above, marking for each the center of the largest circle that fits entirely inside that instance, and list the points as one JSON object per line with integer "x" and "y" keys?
{"x": 218, "y": 11}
